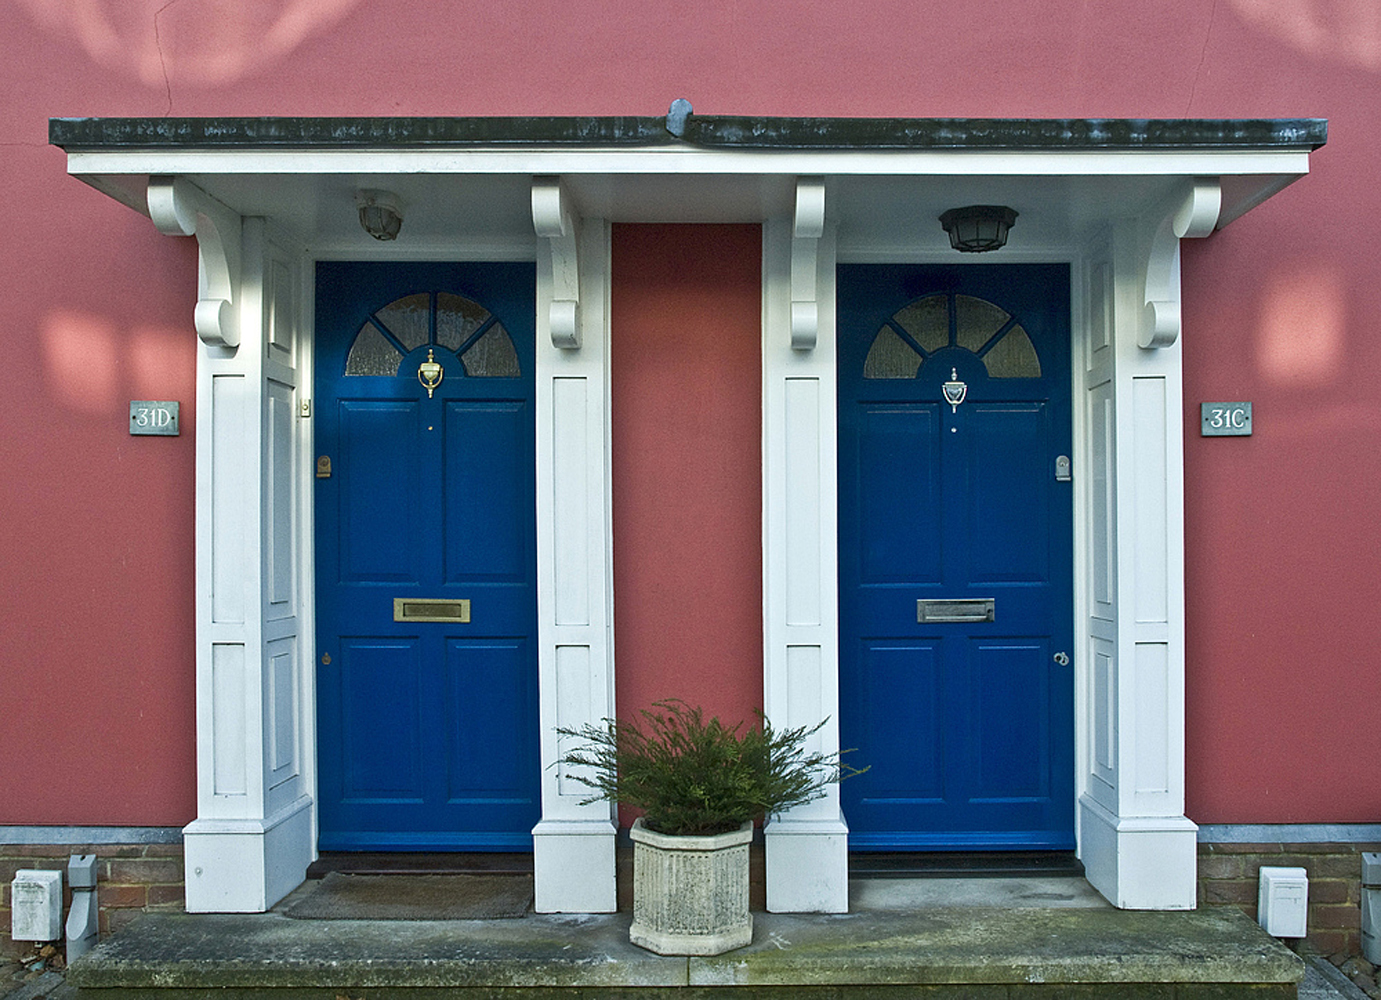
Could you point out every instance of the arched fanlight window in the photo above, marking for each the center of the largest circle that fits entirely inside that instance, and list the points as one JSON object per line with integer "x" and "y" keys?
{"x": 935, "y": 322}
{"x": 435, "y": 319}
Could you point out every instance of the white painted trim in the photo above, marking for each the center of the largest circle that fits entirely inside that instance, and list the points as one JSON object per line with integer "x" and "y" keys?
{"x": 807, "y": 848}
{"x": 180, "y": 208}
{"x": 253, "y": 836}
{"x": 573, "y": 845}
{"x": 682, "y": 160}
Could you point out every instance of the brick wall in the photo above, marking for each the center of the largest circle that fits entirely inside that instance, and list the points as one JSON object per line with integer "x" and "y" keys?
{"x": 130, "y": 878}
{"x": 1228, "y": 876}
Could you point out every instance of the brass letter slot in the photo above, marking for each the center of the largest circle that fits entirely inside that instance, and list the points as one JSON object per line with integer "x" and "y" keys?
{"x": 424, "y": 609}
{"x": 959, "y": 609}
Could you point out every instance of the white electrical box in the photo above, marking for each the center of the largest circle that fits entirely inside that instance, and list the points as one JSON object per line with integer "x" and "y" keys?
{"x": 36, "y": 905}
{"x": 1282, "y": 902}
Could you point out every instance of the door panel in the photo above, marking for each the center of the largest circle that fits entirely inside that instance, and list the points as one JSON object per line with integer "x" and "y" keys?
{"x": 895, "y": 528}
{"x": 484, "y": 541}
{"x": 427, "y": 730}
{"x": 379, "y": 721}
{"x": 489, "y": 673}
{"x": 954, "y": 402}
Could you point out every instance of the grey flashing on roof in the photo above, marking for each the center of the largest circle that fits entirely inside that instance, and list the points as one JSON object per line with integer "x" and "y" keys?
{"x": 711, "y": 131}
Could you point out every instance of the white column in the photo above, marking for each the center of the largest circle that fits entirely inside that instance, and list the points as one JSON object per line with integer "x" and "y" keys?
{"x": 253, "y": 837}
{"x": 573, "y": 844}
{"x": 807, "y": 847}
{"x": 1138, "y": 847}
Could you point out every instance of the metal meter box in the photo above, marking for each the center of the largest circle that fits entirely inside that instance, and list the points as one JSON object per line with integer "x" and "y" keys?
{"x": 1371, "y": 907}
{"x": 36, "y": 905}
{"x": 1282, "y": 901}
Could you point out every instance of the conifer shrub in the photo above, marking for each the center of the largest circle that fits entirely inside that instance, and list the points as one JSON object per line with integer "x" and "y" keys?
{"x": 692, "y": 777}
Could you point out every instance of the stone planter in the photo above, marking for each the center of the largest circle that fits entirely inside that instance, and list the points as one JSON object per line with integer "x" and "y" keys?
{"x": 690, "y": 894}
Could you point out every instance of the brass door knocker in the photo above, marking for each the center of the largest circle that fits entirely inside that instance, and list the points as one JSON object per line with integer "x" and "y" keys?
{"x": 955, "y": 390}
{"x": 430, "y": 373}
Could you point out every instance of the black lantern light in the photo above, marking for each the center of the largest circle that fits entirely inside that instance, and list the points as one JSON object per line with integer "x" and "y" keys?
{"x": 978, "y": 228}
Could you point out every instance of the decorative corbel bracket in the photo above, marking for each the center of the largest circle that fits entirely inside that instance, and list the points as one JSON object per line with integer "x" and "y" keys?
{"x": 180, "y": 208}
{"x": 1194, "y": 218}
{"x": 807, "y": 228}
{"x": 554, "y": 219}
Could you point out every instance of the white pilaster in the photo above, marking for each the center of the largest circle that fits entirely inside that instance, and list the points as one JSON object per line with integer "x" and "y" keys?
{"x": 253, "y": 836}
{"x": 573, "y": 844}
{"x": 807, "y": 847}
{"x": 1137, "y": 845}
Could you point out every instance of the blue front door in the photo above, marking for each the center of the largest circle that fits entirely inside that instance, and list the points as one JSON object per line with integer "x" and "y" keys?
{"x": 426, "y": 557}
{"x": 956, "y": 551}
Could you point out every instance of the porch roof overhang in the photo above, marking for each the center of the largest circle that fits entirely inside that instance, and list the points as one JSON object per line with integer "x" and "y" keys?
{"x": 470, "y": 178}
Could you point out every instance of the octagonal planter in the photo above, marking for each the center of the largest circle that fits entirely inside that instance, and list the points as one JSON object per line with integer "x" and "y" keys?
{"x": 690, "y": 894}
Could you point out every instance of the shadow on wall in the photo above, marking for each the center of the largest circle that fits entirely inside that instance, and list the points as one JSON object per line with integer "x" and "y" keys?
{"x": 1342, "y": 31}
{"x": 92, "y": 367}
{"x": 208, "y": 42}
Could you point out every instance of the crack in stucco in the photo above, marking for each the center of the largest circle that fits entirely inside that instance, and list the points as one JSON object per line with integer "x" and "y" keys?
{"x": 1203, "y": 55}
{"x": 163, "y": 63}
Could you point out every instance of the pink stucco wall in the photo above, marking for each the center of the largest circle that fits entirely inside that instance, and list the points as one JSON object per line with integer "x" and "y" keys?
{"x": 96, "y": 527}
{"x": 686, "y": 314}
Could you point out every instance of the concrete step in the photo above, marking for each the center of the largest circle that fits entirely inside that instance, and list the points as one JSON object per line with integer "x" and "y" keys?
{"x": 956, "y": 953}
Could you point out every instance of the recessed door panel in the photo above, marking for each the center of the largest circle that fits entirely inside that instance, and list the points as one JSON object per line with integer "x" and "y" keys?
{"x": 378, "y": 462}
{"x": 913, "y": 768}
{"x": 380, "y": 719}
{"x": 484, "y": 538}
{"x": 488, "y": 672}
{"x": 1010, "y": 717}
{"x": 897, "y": 527}
{"x": 1009, "y": 532}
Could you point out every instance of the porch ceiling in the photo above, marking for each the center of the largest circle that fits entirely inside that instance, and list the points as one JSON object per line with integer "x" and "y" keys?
{"x": 469, "y": 179}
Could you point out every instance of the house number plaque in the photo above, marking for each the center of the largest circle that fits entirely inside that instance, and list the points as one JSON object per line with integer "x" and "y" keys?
{"x": 1225, "y": 419}
{"x": 156, "y": 417}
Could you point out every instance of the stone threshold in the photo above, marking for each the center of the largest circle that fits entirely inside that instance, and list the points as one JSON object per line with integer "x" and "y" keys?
{"x": 937, "y": 953}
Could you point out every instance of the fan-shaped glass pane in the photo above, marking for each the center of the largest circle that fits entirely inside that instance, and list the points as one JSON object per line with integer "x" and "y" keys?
{"x": 492, "y": 356}
{"x": 976, "y": 320}
{"x": 891, "y": 357}
{"x": 927, "y": 320}
{"x": 409, "y": 319}
{"x": 372, "y": 354}
{"x": 1013, "y": 356}
{"x": 456, "y": 319}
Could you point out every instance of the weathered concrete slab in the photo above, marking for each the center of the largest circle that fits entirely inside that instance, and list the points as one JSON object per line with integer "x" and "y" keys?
{"x": 968, "y": 953}
{"x": 1005, "y": 946}
{"x": 272, "y": 951}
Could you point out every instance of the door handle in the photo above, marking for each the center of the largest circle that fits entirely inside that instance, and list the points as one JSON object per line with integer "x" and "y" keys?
{"x": 1062, "y": 658}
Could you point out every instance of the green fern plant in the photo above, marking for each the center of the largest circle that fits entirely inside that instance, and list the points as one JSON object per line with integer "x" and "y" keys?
{"x": 692, "y": 777}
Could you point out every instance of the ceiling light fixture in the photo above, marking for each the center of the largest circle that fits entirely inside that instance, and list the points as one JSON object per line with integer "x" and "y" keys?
{"x": 978, "y": 228}
{"x": 381, "y": 213}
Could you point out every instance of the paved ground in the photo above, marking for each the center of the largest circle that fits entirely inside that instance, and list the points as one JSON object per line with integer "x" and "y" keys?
{"x": 885, "y": 920}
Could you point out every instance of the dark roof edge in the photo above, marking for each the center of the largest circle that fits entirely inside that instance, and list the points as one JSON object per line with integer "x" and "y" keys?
{"x": 709, "y": 131}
